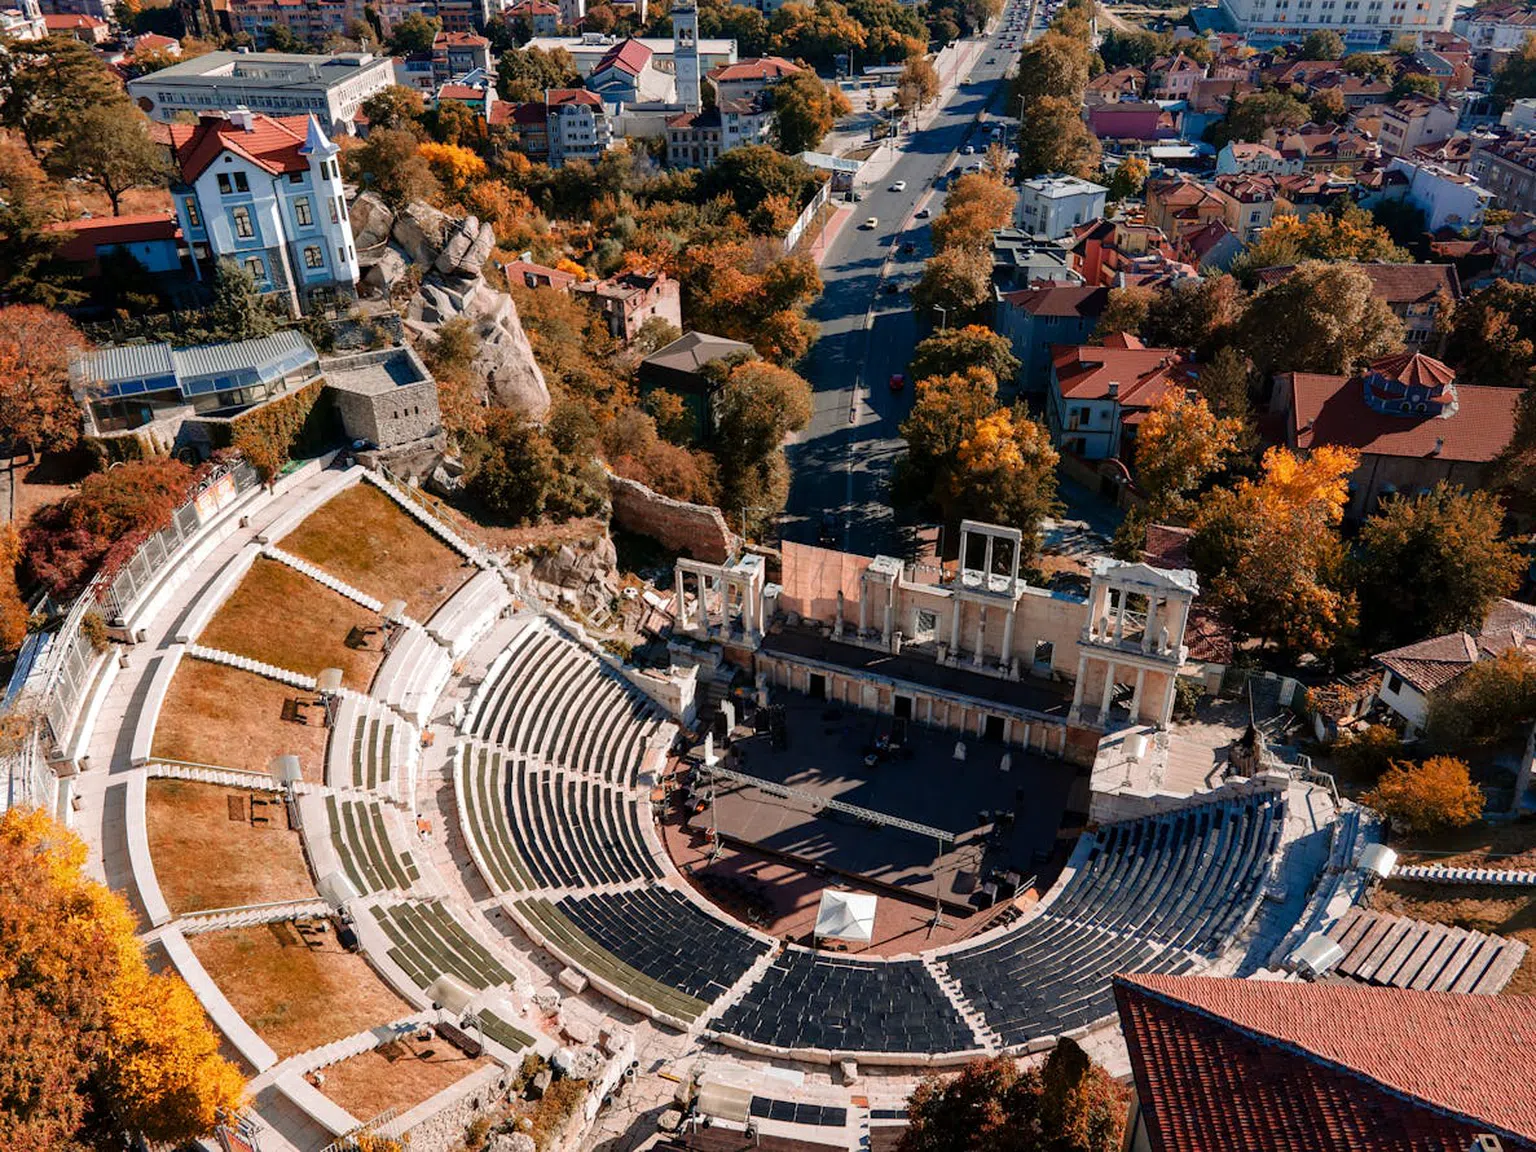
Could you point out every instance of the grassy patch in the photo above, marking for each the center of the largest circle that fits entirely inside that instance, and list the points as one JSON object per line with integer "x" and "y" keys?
{"x": 1481, "y": 845}
{"x": 284, "y": 618}
{"x": 219, "y": 715}
{"x": 364, "y": 538}
{"x": 205, "y": 859}
{"x": 1480, "y": 908}
{"x": 398, "y": 1075}
{"x": 297, "y": 992}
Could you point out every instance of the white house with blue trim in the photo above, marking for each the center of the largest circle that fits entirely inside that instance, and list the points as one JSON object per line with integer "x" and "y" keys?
{"x": 266, "y": 193}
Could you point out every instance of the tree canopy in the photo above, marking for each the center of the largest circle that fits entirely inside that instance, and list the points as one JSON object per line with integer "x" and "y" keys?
{"x": 956, "y": 349}
{"x": 1320, "y": 318}
{"x": 804, "y": 110}
{"x": 1491, "y": 704}
{"x": 1179, "y": 445}
{"x": 37, "y": 410}
{"x": 1428, "y": 797}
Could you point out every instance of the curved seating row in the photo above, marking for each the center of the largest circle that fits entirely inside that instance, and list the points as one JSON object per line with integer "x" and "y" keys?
{"x": 1160, "y": 894}
{"x": 652, "y": 944}
{"x": 361, "y": 841}
{"x": 427, "y": 941}
{"x": 812, "y": 1000}
{"x": 552, "y": 699}
{"x": 413, "y": 675}
{"x": 370, "y": 748}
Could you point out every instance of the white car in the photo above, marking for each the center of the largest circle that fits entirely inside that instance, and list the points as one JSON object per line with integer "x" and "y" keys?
{"x": 872, "y": 223}
{"x": 899, "y": 186}
{"x": 968, "y": 150}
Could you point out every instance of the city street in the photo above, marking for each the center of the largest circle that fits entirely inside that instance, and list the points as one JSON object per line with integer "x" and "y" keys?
{"x": 842, "y": 463}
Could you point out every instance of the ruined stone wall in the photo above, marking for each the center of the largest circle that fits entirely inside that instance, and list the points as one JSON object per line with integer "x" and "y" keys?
{"x": 698, "y": 530}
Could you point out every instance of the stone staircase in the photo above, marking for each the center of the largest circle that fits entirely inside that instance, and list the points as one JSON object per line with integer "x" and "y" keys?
{"x": 950, "y": 986}
{"x": 222, "y": 919}
{"x": 210, "y": 774}
{"x": 1444, "y": 874}
{"x": 321, "y": 576}
{"x": 356, "y": 1044}
{"x": 246, "y": 664}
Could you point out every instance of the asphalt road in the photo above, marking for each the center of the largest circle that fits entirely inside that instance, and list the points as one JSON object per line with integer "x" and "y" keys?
{"x": 842, "y": 463}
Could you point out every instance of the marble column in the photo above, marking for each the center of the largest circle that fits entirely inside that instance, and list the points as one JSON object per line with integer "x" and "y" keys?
{"x": 1141, "y": 676}
{"x": 1007, "y": 655}
{"x": 863, "y": 606}
{"x": 1082, "y": 683}
{"x": 981, "y": 634}
{"x": 1109, "y": 691}
{"x": 954, "y": 629}
{"x": 890, "y": 614}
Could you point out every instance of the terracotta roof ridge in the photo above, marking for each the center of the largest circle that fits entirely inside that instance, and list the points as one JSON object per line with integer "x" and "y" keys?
{"x": 1148, "y": 985}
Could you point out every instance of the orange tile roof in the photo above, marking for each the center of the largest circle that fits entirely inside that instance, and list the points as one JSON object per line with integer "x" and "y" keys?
{"x": 1270, "y": 1066}
{"x": 89, "y": 234}
{"x": 1141, "y": 375}
{"x": 272, "y": 143}
{"x": 756, "y": 68}
{"x": 1332, "y": 410}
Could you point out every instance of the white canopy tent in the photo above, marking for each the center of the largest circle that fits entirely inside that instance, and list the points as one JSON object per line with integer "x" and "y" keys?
{"x": 846, "y": 916}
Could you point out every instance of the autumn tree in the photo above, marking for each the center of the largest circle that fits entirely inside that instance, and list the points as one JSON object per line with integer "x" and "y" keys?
{"x": 758, "y": 407}
{"x": 1431, "y": 564}
{"x": 1367, "y": 752}
{"x": 957, "y": 349}
{"x": 1125, "y": 310}
{"x": 1180, "y": 444}
{"x": 944, "y": 410}
{"x": 978, "y": 204}
{"x": 109, "y": 146}
{"x": 454, "y": 166}
{"x": 394, "y": 107}
{"x": 13, "y": 609}
{"x": 751, "y": 291}
{"x": 390, "y": 162}
{"x": 1053, "y": 138}
{"x": 1492, "y": 339}
{"x": 1490, "y": 704}
{"x": 1428, "y": 797}
{"x": 918, "y": 84}
{"x": 1068, "y": 1105}
{"x": 102, "y": 1051}
{"x": 1320, "y": 318}
{"x": 957, "y": 281}
{"x": 1129, "y": 179}
{"x": 36, "y": 407}
{"x": 27, "y": 248}
{"x": 816, "y": 33}
{"x": 1327, "y": 106}
{"x": 804, "y": 109}
{"x": 1005, "y": 473}
{"x": 1269, "y": 553}
{"x": 527, "y": 73}
{"x": 1352, "y": 235}
{"x": 1051, "y": 65}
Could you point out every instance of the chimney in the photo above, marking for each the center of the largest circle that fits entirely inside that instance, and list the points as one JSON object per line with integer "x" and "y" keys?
{"x": 243, "y": 118}
{"x": 1114, "y": 389}
{"x": 1439, "y": 446}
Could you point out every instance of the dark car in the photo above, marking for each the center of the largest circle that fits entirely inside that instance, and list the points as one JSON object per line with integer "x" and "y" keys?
{"x": 908, "y": 248}
{"x": 828, "y": 533}
{"x": 898, "y": 381}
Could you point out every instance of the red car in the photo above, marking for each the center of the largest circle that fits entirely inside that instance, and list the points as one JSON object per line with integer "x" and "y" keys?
{"x": 898, "y": 381}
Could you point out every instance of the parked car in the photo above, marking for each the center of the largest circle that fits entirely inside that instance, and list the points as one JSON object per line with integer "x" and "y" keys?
{"x": 908, "y": 248}
{"x": 923, "y": 214}
{"x": 968, "y": 150}
{"x": 898, "y": 381}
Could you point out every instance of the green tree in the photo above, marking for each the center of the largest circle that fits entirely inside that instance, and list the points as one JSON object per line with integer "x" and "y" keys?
{"x": 390, "y": 163}
{"x": 1320, "y": 318}
{"x": 1493, "y": 334}
{"x": 513, "y": 471}
{"x": 524, "y": 75}
{"x": 755, "y": 173}
{"x": 817, "y": 33}
{"x": 239, "y": 311}
{"x": 1125, "y": 311}
{"x": 50, "y": 85}
{"x": 1516, "y": 77}
{"x": 1431, "y": 564}
{"x": 1135, "y": 49}
{"x": 1201, "y": 314}
{"x": 759, "y": 406}
{"x": 1053, "y": 138}
{"x": 969, "y": 346}
{"x": 1259, "y": 113}
{"x": 413, "y": 33}
{"x": 1323, "y": 44}
{"x": 1367, "y": 753}
{"x": 109, "y": 146}
{"x": 1328, "y": 106}
{"x": 1223, "y": 381}
{"x": 1372, "y": 64}
{"x": 281, "y": 38}
{"x": 804, "y": 110}
{"x": 1491, "y": 704}
{"x": 1428, "y": 797}
{"x": 1415, "y": 84}
{"x": 730, "y": 21}
{"x": 27, "y": 249}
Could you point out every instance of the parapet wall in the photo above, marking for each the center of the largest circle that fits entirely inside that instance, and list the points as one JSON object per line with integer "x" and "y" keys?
{"x": 697, "y": 529}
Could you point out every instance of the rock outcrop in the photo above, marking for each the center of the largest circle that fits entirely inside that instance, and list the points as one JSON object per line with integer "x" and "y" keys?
{"x": 450, "y": 255}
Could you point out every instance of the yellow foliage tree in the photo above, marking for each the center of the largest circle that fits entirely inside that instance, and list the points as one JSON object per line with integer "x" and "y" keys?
{"x": 1005, "y": 473}
{"x": 1180, "y": 443}
{"x": 1271, "y": 553}
{"x": 453, "y": 164}
{"x": 1428, "y": 797}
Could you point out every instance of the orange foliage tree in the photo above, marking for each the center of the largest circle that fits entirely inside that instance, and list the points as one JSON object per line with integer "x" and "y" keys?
{"x": 1428, "y": 797}
{"x": 36, "y": 408}
{"x": 1181, "y": 442}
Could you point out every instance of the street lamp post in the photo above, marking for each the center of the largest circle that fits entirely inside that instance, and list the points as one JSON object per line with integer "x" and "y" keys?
{"x": 943, "y": 316}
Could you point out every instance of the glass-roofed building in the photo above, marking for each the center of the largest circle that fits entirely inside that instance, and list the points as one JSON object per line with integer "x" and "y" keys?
{"x": 127, "y": 386}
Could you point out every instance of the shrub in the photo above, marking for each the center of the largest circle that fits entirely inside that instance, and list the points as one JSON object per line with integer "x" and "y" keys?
{"x": 268, "y": 437}
{"x": 1367, "y": 753}
{"x": 94, "y": 629}
{"x": 1428, "y": 797}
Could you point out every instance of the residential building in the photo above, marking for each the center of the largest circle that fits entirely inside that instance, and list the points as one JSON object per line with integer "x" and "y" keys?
{"x": 1249, "y": 204}
{"x": 1506, "y": 166}
{"x": 627, "y": 74}
{"x": 153, "y": 42}
{"x": 1182, "y": 205}
{"x": 313, "y": 21}
{"x": 1132, "y": 120}
{"x": 1324, "y": 147}
{"x": 1354, "y": 91}
{"x": 104, "y": 10}
{"x": 1448, "y": 200}
{"x": 588, "y": 50}
{"x": 1035, "y": 319}
{"x": 1414, "y": 673}
{"x": 1412, "y": 425}
{"x": 1174, "y": 77}
{"x": 1211, "y": 248}
{"x": 542, "y": 17}
{"x": 1125, "y": 251}
{"x": 1309, "y": 192}
{"x": 750, "y": 77}
{"x": 1051, "y": 206}
{"x": 698, "y": 139}
{"x": 1514, "y": 248}
{"x": 23, "y": 25}
{"x": 90, "y": 30}
{"x": 1111, "y": 87}
{"x": 1097, "y": 395}
{"x": 1453, "y": 155}
{"x": 1238, "y": 157}
{"x": 578, "y": 126}
{"x": 629, "y": 299}
{"x": 331, "y": 88}
{"x": 153, "y": 239}
{"x": 1022, "y": 259}
{"x": 266, "y": 193}
{"x": 525, "y": 272}
{"x": 456, "y": 53}
{"x": 527, "y": 125}
{"x": 1496, "y": 28}
{"x": 479, "y": 98}
{"x": 1415, "y": 122}
{"x": 415, "y": 72}
{"x": 463, "y": 15}
{"x": 1369, "y": 24}
{"x": 679, "y": 368}
{"x": 1283, "y": 1065}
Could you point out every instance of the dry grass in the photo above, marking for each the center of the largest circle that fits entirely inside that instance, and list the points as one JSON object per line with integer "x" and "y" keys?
{"x": 364, "y": 538}
{"x": 399, "y": 1075}
{"x": 203, "y": 859}
{"x": 284, "y": 618}
{"x": 1481, "y": 908}
{"x": 297, "y": 993}
{"x": 214, "y": 714}
{"x": 1478, "y": 846}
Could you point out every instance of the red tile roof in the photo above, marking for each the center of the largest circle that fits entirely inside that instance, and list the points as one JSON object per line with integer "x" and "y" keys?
{"x": 153, "y": 41}
{"x": 445, "y": 40}
{"x": 62, "y": 22}
{"x": 1060, "y": 300}
{"x": 1415, "y": 369}
{"x": 559, "y": 97}
{"x": 1394, "y": 283}
{"x": 534, "y": 8}
{"x": 1269, "y": 1066}
{"x": 755, "y": 68}
{"x": 1332, "y": 410}
{"x": 631, "y": 56}
{"x": 1141, "y": 375}
{"x": 272, "y": 143}
{"x": 98, "y": 231}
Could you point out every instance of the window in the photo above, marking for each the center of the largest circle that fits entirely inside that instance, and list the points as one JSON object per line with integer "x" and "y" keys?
{"x": 242, "y": 218}
{"x": 192, "y": 217}
{"x": 301, "y": 212}
{"x": 313, "y": 257}
{"x": 256, "y": 268}
{"x": 241, "y": 183}
{"x": 331, "y": 204}
{"x": 225, "y": 187}
{"x": 1394, "y": 682}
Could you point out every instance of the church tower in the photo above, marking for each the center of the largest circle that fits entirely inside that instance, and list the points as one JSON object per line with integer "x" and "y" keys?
{"x": 685, "y": 54}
